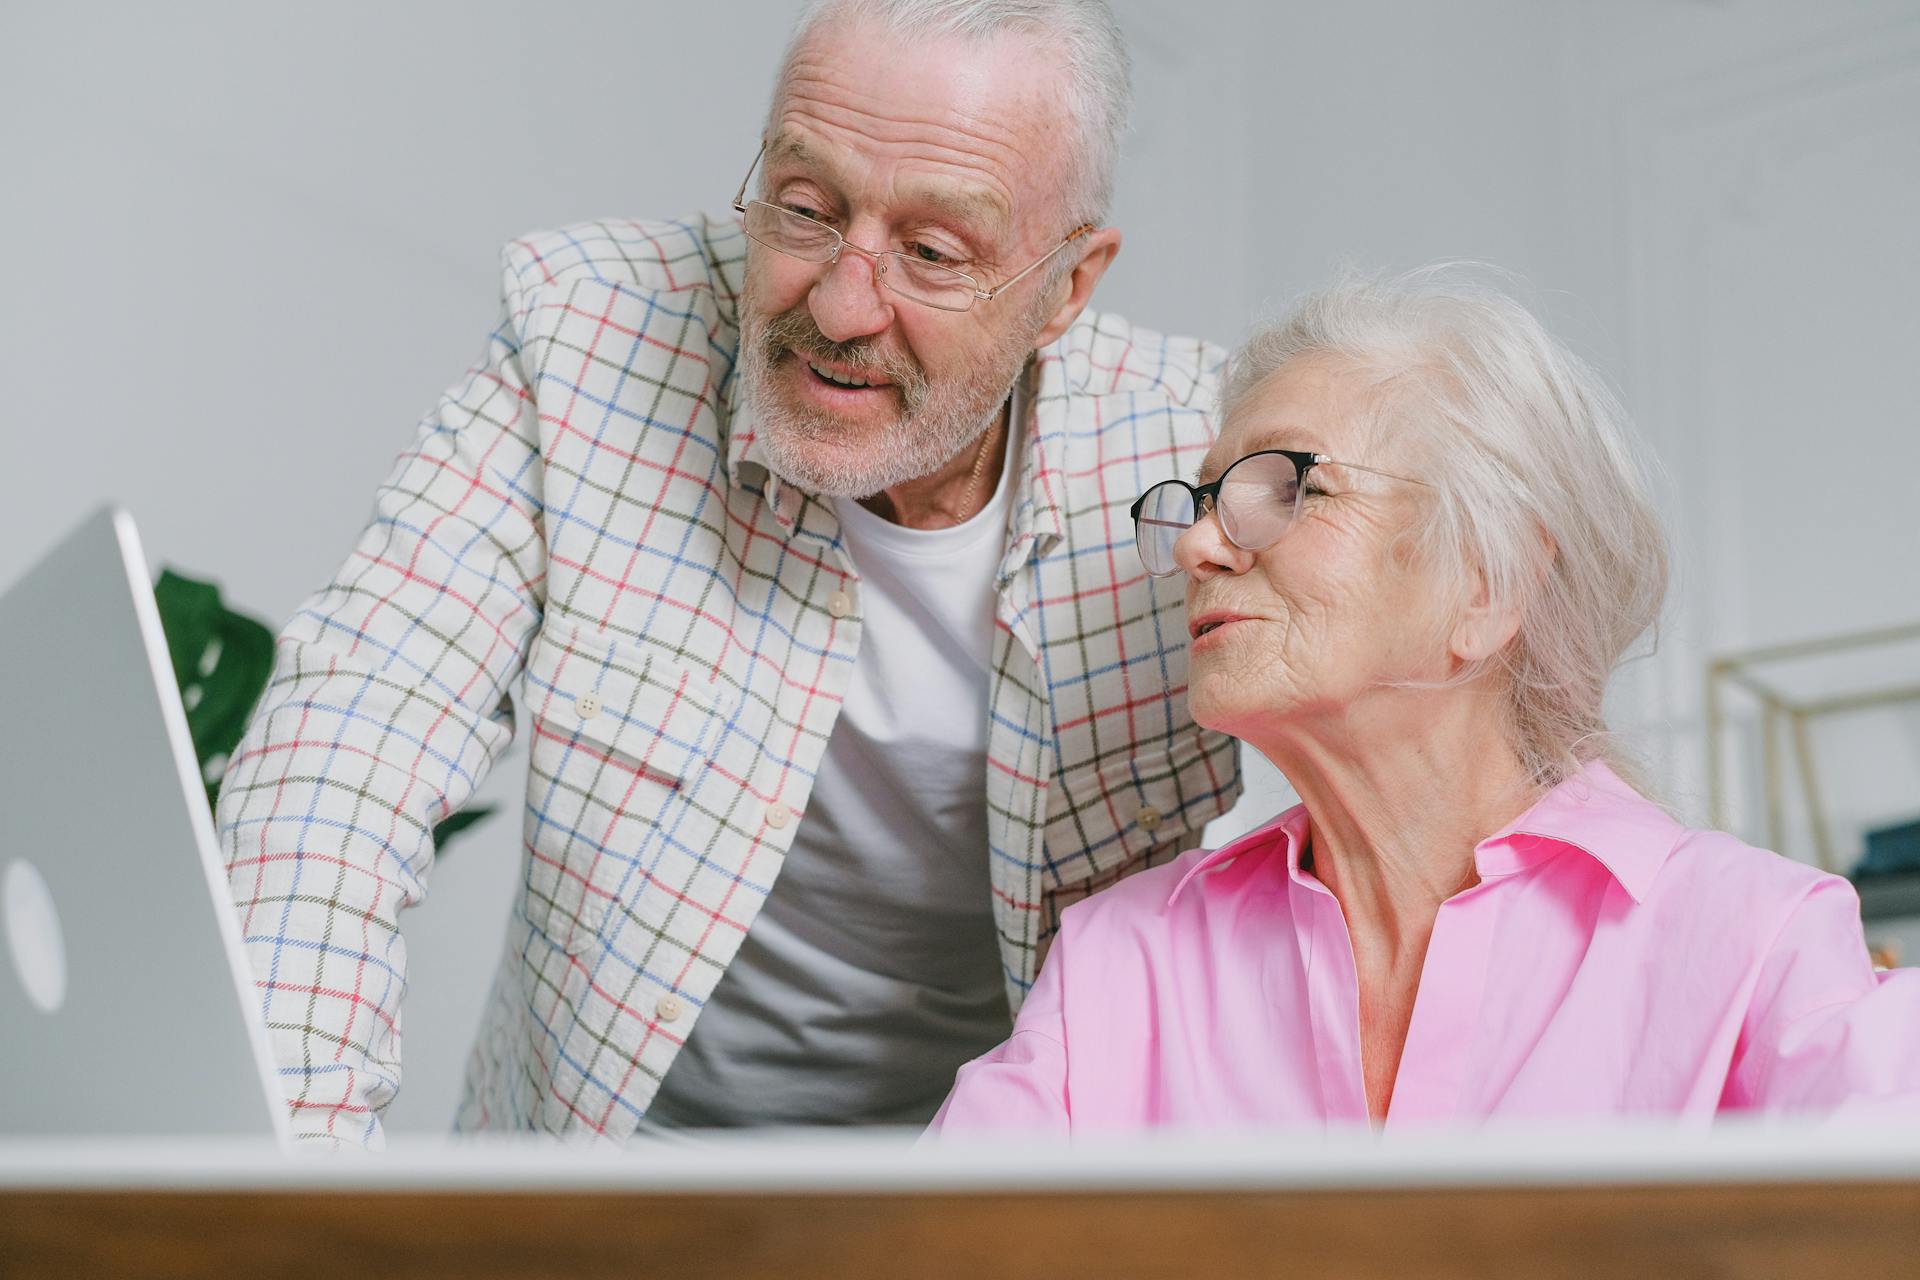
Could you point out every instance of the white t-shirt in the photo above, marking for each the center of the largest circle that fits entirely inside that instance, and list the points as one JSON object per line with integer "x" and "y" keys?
{"x": 873, "y": 971}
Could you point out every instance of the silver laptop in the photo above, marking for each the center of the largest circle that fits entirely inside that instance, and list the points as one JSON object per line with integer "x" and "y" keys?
{"x": 126, "y": 1003}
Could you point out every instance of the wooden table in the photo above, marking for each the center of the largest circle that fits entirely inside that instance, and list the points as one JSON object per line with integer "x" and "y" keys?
{"x": 1646, "y": 1204}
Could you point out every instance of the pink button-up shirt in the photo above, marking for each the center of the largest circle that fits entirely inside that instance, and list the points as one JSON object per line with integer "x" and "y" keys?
{"x": 1610, "y": 961}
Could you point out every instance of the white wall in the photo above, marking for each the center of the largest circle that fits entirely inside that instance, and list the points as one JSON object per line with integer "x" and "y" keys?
{"x": 247, "y": 244}
{"x": 1752, "y": 203}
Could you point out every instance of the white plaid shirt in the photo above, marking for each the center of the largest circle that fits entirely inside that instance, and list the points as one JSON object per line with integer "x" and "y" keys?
{"x": 576, "y": 512}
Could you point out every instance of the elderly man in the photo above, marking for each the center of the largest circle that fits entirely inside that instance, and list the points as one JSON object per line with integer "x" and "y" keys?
{"x": 808, "y": 531}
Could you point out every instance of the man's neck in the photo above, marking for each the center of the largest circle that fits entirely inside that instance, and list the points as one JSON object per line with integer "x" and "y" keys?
{"x": 956, "y": 492}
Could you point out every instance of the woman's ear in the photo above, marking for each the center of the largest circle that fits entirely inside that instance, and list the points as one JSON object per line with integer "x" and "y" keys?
{"x": 1481, "y": 630}
{"x": 1483, "y": 627}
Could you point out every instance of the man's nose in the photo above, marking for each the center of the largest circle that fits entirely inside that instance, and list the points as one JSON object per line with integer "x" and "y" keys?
{"x": 849, "y": 301}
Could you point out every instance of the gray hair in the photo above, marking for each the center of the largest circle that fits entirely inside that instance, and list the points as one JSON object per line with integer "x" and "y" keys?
{"x": 1092, "y": 53}
{"x": 1521, "y": 438}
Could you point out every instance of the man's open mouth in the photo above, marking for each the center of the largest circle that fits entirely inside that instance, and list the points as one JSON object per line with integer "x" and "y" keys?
{"x": 845, "y": 380}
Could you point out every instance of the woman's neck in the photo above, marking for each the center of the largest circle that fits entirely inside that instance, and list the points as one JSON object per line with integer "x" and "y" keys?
{"x": 1399, "y": 794}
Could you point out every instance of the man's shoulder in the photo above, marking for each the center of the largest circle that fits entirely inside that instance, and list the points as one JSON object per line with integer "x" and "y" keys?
{"x": 700, "y": 252}
{"x": 1102, "y": 353}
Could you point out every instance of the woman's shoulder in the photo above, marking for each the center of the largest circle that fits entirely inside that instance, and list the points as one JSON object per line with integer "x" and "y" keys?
{"x": 1664, "y": 863}
{"x": 1716, "y": 863}
{"x": 1740, "y": 902}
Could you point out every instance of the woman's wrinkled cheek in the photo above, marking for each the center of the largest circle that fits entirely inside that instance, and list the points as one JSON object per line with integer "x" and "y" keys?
{"x": 1248, "y": 678}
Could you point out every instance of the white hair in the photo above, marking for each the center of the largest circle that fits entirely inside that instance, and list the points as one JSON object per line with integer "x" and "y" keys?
{"x": 1091, "y": 52}
{"x": 1520, "y": 438}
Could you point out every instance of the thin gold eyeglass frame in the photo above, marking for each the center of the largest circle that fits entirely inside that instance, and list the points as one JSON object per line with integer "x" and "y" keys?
{"x": 880, "y": 256}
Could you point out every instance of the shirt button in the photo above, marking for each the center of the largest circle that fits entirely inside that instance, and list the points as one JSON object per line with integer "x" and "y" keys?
{"x": 840, "y": 605}
{"x": 668, "y": 1009}
{"x": 1148, "y": 818}
{"x": 587, "y": 706}
{"x": 778, "y": 815}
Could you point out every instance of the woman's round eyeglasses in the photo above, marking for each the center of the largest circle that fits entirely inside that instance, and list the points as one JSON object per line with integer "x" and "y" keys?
{"x": 1256, "y": 499}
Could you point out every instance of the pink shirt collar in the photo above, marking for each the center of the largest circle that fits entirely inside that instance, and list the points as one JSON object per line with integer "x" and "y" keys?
{"x": 1593, "y": 812}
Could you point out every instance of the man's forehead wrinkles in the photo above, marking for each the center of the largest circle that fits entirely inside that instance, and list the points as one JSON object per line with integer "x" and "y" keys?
{"x": 981, "y": 123}
{"x": 926, "y": 145}
{"x": 961, "y": 139}
{"x": 825, "y": 88}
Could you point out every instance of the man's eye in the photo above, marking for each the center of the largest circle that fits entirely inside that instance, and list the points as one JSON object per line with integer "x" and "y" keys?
{"x": 927, "y": 253}
{"x": 803, "y": 209}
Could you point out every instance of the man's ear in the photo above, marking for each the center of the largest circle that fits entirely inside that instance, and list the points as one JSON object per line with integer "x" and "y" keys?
{"x": 1104, "y": 245}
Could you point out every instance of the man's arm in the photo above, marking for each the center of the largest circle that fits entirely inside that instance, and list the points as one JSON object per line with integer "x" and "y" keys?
{"x": 387, "y": 706}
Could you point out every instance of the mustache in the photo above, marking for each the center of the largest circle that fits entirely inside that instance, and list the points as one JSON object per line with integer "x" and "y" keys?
{"x": 796, "y": 330}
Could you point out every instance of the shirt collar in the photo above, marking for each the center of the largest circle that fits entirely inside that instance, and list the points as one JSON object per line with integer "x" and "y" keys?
{"x": 1593, "y": 812}
{"x": 1286, "y": 834}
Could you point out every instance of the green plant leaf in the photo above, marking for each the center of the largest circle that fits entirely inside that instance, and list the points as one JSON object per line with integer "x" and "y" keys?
{"x": 221, "y": 662}
{"x": 459, "y": 822}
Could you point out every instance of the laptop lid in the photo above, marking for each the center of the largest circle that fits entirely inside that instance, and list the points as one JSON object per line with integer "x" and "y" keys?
{"x": 127, "y": 1006}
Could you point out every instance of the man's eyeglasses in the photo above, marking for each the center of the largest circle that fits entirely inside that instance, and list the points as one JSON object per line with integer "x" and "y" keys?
{"x": 1256, "y": 499}
{"x": 916, "y": 279}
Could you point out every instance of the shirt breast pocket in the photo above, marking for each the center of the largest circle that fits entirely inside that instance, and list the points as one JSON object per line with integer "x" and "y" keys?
{"x": 619, "y": 738}
{"x": 1101, "y": 817}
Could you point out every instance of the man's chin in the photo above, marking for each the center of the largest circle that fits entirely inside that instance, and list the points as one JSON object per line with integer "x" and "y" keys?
{"x": 827, "y": 468}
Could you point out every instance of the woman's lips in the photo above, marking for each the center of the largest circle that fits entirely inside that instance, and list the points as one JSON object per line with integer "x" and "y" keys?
{"x": 1208, "y": 625}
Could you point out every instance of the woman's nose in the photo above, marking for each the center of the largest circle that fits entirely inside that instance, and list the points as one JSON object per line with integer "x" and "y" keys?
{"x": 1205, "y": 551}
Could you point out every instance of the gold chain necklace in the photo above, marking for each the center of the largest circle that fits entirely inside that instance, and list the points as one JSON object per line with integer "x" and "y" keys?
{"x": 973, "y": 480}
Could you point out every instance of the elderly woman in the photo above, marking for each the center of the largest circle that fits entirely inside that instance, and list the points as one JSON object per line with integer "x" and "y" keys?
{"x": 1412, "y": 558}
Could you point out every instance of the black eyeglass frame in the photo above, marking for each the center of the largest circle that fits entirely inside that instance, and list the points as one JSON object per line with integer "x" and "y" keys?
{"x": 1206, "y": 497}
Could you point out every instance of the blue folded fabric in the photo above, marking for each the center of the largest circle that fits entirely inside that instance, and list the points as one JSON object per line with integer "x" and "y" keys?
{"x": 1890, "y": 851}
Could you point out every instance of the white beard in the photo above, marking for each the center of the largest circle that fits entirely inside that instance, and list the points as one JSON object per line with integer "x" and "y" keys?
{"x": 804, "y": 447}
